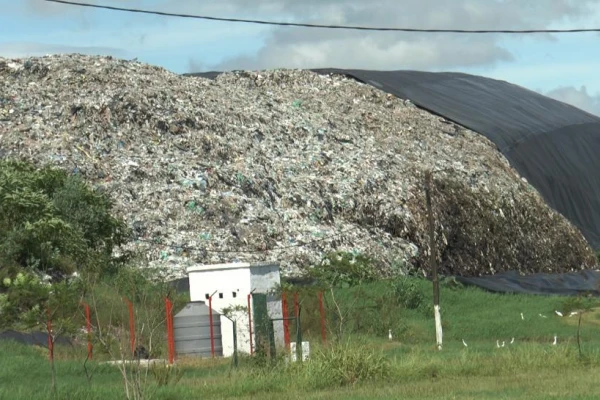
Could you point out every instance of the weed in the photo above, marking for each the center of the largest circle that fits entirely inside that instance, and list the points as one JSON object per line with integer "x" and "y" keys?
{"x": 166, "y": 374}
{"x": 579, "y": 303}
{"x": 344, "y": 270}
{"x": 346, "y": 364}
{"x": 408, "y": 293}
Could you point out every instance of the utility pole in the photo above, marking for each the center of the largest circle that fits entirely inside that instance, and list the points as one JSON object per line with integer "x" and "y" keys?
{"x": 433, "y": 264}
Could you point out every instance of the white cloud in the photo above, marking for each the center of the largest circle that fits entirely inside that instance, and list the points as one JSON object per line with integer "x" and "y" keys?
{"x": 288, "y": 47}
{"x": 579, "y": 98}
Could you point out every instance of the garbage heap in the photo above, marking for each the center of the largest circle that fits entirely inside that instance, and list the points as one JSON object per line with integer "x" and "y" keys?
{"x": 283, "y": 165}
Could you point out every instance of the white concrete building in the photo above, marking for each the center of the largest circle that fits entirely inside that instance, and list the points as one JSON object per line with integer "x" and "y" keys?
{"x": 233, "y": 283}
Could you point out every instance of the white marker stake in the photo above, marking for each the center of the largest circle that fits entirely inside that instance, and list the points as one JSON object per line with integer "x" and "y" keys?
{"x": 438, "y": 326}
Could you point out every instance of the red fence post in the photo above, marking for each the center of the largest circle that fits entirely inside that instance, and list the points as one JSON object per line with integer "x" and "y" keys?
{"x": 50, "y": 341}
{"x": 250, "y": 323}
{"x": 131, "y": 324}
{"x": 322, "y": 309}
{"x": 88, "y": 328}
{"x": 296, "y": 315}
{"x": 212, "y": 333}
{"x": 170, "y": 338}
{"x": 286, "y": 322}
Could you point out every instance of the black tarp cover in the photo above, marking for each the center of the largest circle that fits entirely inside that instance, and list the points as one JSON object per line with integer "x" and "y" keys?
{"x": 31, "y": 338}
{"x": 568, "y": 284}
{"x": 553, "y": 145}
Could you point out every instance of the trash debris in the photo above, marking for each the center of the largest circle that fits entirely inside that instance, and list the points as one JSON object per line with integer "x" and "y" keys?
{"x": 282, "y": 164}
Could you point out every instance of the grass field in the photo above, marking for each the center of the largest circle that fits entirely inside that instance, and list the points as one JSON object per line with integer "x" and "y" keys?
{"x": 368, "y": 365}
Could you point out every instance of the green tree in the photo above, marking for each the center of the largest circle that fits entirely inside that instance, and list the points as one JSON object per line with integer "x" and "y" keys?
{"x": 52, "y": 222}
{"x": 26, "y": 302}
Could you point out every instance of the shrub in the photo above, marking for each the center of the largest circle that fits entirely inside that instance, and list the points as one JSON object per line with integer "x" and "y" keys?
{"x": 346, "y": 364}
{"x": 407, "y": 293}
{"x": 53, "y": 223}
{"x": 578, "y": 303}
{"x": 344, "y": 270}
{"x": 166, "y": 374}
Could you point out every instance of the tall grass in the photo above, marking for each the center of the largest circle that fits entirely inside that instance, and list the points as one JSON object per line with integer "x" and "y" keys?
{"x": 332, "y": 369}
{"x": 362, "y": 362}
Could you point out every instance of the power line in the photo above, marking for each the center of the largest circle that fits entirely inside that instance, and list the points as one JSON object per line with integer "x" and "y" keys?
{"x": 305, "y": 25}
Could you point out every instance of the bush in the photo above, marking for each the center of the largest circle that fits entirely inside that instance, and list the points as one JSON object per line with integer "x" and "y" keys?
{"x": 166, "y": 374}
{"x": 578, "y": 303}
{"x": 52, "y": 222}
{"x": 346, "y": 364}
{"x": 407, "y": 293}
{"x": 344, "y": 270}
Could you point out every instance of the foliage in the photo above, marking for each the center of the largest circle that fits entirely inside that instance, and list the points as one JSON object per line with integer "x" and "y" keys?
{"x": 146, "y": 288}
{"x": 579, "y": 303}
{"x": 28, "y": 302}
{"x": 407, "y": 292}
{"x": 409, "y": 366}
{"x": 341, "y": 269}
{"x": 347, "y": 364}
{"x": 166, "y": 374}
{"x": 234, "y": 312}
{"x": 52, "y": 222}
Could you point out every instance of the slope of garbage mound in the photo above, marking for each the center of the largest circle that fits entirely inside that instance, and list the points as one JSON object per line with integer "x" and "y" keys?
{"x": 282, "y": 165}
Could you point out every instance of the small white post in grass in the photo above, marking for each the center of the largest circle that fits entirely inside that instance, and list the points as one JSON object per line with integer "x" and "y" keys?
{"x": 433, "y": 262}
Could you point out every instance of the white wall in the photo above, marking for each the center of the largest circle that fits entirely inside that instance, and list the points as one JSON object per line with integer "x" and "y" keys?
{"x": 241, "y": 279}
{"x": 227, "y": 279}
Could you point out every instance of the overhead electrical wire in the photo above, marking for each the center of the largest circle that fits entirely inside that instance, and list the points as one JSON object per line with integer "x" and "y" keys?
{"x": 324, "y": 26}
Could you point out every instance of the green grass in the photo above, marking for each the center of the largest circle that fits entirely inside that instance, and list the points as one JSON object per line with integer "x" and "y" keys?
{"x": 467, "y": 313}
{"x": 364, "y": 364}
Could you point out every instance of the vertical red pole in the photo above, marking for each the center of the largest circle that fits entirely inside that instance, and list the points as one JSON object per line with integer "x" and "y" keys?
{"x": 131, "y": 325}
{"x": 50, "y": 341}
{"x": 88, "y": 327}
{"x": 212, "y": 333}
{"x": 168, "y": 323}
{"x": 296, "y": 315}
{"x": 170, "y": 339}
{"x": 286, "y": 322}
{"x": 322, "y": 308}
{"x": 250, "y": 323}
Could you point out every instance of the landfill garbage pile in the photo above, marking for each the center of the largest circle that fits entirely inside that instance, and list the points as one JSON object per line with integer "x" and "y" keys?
{"x": 282, "y": 165}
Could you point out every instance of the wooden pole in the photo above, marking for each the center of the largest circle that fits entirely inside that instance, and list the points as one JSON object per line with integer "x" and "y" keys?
{"x": 433, "y": 262}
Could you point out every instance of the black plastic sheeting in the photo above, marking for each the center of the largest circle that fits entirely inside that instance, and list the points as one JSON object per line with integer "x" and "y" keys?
{"x": 32, "y": 338}
{"x": 568, "y": 284}
{"x": 555, "y": 146}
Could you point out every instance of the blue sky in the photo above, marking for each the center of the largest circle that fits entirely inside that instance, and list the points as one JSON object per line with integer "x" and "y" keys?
{"x": 563, "y": 66}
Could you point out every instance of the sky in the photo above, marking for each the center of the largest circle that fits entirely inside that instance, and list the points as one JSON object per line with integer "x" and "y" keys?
{"x": 560, "y": 66}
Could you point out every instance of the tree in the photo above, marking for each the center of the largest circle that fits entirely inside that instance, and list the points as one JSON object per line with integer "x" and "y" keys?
{"x": 28, "y": 302}
{"x": 53, "y": 223}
